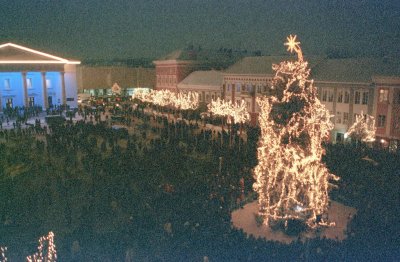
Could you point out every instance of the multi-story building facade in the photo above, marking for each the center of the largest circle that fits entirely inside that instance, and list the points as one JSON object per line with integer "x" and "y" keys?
{"x": 387, "y": 110}
{"x": 32, "y": 78}
{"x": 172, "y": 69}
{"x": 347, "y": 87}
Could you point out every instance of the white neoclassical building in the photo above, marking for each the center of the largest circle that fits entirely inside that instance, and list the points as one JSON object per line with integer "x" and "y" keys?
{"x": 32, "y": 78}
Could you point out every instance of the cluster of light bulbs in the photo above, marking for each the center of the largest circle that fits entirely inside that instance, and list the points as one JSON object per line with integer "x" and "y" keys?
{"x": 178, "y": 100}
{"x": 235, "y": 112}
{"x": 363, "y": 128}
{"x": 51, "y": 250}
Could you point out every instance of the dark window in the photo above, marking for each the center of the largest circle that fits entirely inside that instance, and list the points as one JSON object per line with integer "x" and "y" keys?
{"x": 357, "y": 97}
{"x": 346, "y": 97}
{"x": 31, "y": 101}
{"x": 365, "y": 98}
{"x": 9, "y": 103}
{"x": 381, "y": 120}
{"x": 340, "y": 96}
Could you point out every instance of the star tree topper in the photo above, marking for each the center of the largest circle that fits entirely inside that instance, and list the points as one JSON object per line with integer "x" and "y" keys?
{"x": 293, "y": 45}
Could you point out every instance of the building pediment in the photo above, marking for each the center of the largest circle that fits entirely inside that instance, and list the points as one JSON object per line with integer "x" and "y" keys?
{"x": 16, "y": 54}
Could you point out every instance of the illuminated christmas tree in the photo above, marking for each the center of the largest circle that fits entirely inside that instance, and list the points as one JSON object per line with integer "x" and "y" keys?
{"x": 291, "y": 182}
{"x": 363, "y": 129}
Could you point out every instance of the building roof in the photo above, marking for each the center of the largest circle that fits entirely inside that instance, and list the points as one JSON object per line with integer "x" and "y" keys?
{"x": 205, "y": 59}
{"x": 360, "y": 70}
{"x": 356, "y": 70}
{"x": 16, "y": 54}
{"x": 204, "y": 79}
{"x": 263, "y": 64}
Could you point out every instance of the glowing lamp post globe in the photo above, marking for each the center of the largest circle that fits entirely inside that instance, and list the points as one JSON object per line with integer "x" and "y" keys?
{"x": 291, "y": 181}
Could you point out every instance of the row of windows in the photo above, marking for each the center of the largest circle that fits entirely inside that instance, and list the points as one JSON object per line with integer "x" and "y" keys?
{"x": 166, "y": 80}
{"x": 29, "y": 83}
{"x": 343, "y": 96}
{"x": 247, "y": 88}
{"x": 206, "y": 97}
{"x": 31, "y": 101}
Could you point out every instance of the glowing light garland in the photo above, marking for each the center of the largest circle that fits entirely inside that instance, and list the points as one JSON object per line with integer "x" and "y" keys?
{"x": 51, "y": 250}
{"x": 236, "y": 113}
{"x": 179, "y": 100}
{"x": 291, "y": 181}
{"x": 363, "y": 128}
{"x": 3, "y": 257}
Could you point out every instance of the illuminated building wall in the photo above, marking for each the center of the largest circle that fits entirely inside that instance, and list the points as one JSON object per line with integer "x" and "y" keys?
{"x": 170, "y": 72}
{"x": 346, "y": 87}
{"x": 387, "y": 111}
{"x": 32, "y": 78}
{"x": 98, "y": 80}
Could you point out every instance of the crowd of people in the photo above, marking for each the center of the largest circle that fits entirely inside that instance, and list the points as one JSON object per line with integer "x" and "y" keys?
{"x": 162, "y": 186}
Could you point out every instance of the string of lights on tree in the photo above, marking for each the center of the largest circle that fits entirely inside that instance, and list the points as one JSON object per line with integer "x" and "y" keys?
{"x": 177, "y": 100}
{"x": 235, "y": 112}
{"x": 363, "y": 129}
{"x": 291, "y": 181}
{"x": 3, "y": 257}
{"x": 51, "y": 250}
{"x": 51, "y": 255}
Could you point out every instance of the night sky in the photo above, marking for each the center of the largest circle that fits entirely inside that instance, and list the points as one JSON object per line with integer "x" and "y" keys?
{"x": 152, "y": 28}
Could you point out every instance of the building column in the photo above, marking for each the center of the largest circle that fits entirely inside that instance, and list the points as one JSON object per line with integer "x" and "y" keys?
{"x": 25, "y": 86}
{"x": 44, "y": 91}
{"x": 63, "y": 95}
{"x": 351, "y": 107}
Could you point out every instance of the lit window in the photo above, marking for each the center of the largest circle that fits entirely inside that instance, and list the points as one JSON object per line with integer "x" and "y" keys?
{"x": 7, "y": 84}
{"x": 29, "y": 83}
{"x": 228, "y": 88}
{"x": 381, "y": 120}
{"x": 357, "y": 96}
{"x": 383, "y": 95}
{"x": 48, "y": 83}
{"x": 365, "y": 98}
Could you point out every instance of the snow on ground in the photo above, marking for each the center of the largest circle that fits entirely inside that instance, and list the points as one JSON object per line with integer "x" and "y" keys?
{"x": 244, "y": 219}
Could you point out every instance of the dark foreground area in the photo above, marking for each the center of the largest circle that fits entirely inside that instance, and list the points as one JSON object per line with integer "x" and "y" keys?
{"x": 168, "y": 196}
